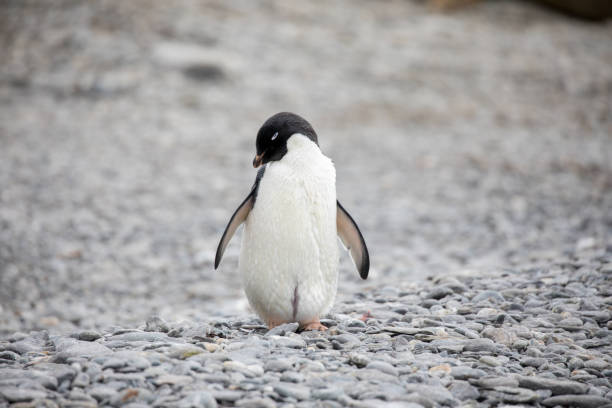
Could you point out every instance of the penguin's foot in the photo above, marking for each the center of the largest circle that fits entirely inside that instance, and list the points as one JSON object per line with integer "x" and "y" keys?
{"x": 273, "y": 323}
{"x": 314, "y": 325}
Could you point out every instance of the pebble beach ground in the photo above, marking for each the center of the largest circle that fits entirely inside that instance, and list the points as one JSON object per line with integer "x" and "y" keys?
{"x": 474, "y": 149}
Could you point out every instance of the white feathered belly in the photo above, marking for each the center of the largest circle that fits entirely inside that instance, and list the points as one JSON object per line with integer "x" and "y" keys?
{"x": 289, "y": 253}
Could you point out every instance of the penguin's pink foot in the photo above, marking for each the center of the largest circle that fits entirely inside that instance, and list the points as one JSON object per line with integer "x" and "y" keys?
{"x": 314, "y": 325}
{"x": 273, "y": 323}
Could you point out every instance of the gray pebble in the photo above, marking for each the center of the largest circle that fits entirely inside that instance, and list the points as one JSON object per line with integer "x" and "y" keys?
{"x": 227, "y": 395}
{"x": 289, "y": 342}
{"x": 557, "y": 386}
{"x": 81, "y": 380}
{"x": 436, "y": 393}
{"x": 256, "y": 403}
{"x": 493, "y": 382}
{"x": 89, "y": 335}
{"x": 479, "y": 345}
{"x": 579, "y": 401}
{"x": 462, "y": 390}
{"x": 359, "y": 360}
{"x": 515, "y": 394}
{"x": 15, "y": 394}
{"x": 464, "y": 372}
{"x": 198, "y": 399}
{"x": 440, "y": 292}
{"x": 283, "y": 329}
{"x": 156, "y": 324}
{"x": 383, "y": 367}
{"x": 102, "y": 392}
{"x": 332, "y": 393}
{"x": 67, "y": 347}
{"x": 292, "y": 376}
{"x": 299, "y": 392}
{"x": 278, "y": 365}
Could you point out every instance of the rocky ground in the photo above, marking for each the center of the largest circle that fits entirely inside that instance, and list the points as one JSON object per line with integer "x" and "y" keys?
{"x": 540, "y": 336}
{"x": 474, "y": 150}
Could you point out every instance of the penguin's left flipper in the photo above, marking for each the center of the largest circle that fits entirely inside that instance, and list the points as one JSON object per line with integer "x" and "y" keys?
{"x": 351, "y": 237}
{"x": 239, "y": 216}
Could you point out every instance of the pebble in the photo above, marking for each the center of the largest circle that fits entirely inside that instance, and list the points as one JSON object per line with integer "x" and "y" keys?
{"x": 462, "y": 390}
{"x": 490, "y": 361}
{"x": 383, "y": 367}
{"x": 479, "y": 345}
{"x": 198, "y": 399}
{"x": 455, "y": 353}
{"x": 296, "y": 391}
{"x": 464, "y": 373}
{"x": 557, "y": 386}
{"x": 15, "y": 394}
{"x": 578, "y": 401}
{"x": 278, "y": 365}
{"x": 283, "y": 329}
{"x": 89, "y": 335}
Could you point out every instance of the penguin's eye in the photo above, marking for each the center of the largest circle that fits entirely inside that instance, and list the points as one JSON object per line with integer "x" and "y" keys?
{"x": 274, "y": 136}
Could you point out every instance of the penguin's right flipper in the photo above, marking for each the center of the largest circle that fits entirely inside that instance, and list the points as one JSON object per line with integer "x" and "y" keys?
{"x": 240, "y": 215}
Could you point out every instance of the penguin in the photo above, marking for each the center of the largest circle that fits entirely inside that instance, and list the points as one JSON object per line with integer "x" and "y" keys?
{"x": 289, "y": 252}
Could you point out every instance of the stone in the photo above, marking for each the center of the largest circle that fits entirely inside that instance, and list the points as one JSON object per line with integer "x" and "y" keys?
{"x": 490, "y": 295}
{"x": 81, "y": 380}
{"x": 440, "y": 292}
{"x": 156, "y": 324}
{"x": 490, "y": 361}
{"x": 493, "y": 382}
{"x": 462, "y": 390}
{"x": 292, "y": 376}
{"x": 299, "y": 392}
{"x": 383, "y": 367}
{"x": 499, "y": 335}
{"x": 184, "y": 351}
{"x": 516, "y": 395}
{"x": 479, "y": 345}
{"x": 359, "y": 360}
{"x": 288, "y": 342}
{"x": 172, "y": 379}
{"x": 436, "y": 393}
{"x": 278, "y": 365}
{"x": 136, "y": 336}
{"x": 47, "y": 381}
{"x": 249, "y": 371}
{"x": 15, "y": 394}
{"x": 9, "y": 355}
{"x": 256, "y": 403}
{"x": 89, "y": 335}
{"x": 102, "y": 392}
{"x": 578, "y": 401}
{"x": 67, "y": 347}
{"x": 227, "y": 395}
{"x": 198, "y": 399}
{"x": 464, "y": 373}
{"x": 596, "y": 363}
{"x": 283, "y": 329}
{"x": 557, "y": 386}
{"x": 332, "y": 393}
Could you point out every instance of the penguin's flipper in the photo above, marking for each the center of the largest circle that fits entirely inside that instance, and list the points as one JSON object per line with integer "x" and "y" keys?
{"x": 351, "y": 237}
{"x": 240, "y": 215}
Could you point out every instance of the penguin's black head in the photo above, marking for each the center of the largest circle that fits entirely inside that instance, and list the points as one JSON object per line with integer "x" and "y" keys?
{"x": 272, "y": 137}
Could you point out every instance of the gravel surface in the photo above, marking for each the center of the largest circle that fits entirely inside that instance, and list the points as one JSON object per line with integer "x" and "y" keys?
{"x": 538, "y": 336}
{"x": 468, "y": 146}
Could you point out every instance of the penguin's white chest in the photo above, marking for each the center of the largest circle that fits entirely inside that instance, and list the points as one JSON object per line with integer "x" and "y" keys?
{"x": 289, "y": 254}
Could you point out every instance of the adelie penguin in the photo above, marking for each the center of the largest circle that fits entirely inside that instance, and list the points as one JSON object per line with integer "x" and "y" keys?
{"x": 289, "y": 254}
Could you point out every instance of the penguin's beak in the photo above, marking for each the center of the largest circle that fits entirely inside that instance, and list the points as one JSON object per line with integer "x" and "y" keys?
{"x": 257, "y": 160}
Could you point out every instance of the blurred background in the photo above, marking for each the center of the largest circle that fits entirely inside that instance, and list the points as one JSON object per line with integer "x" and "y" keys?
{"x": 468, "y": 138}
